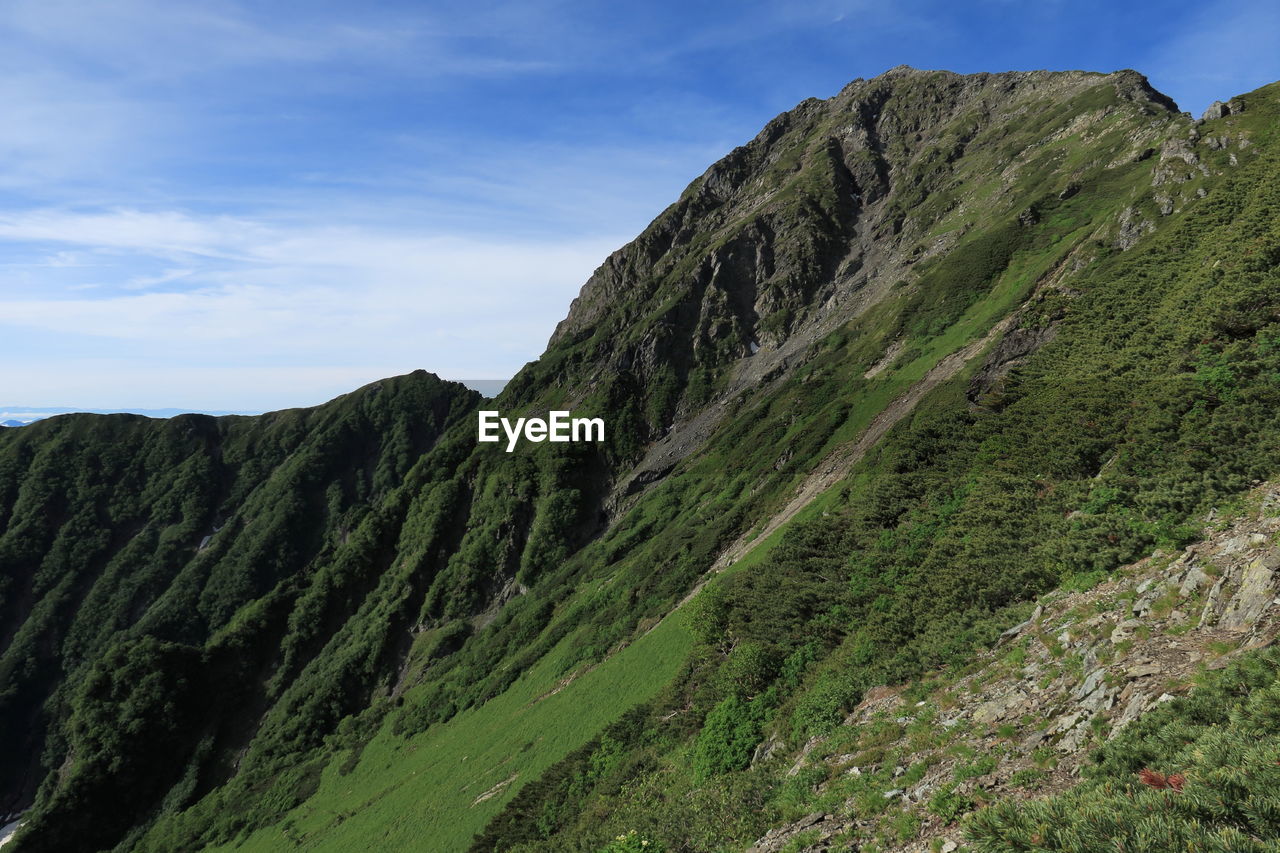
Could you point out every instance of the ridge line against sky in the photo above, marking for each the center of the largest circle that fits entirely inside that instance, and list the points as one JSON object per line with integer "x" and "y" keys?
{"x": 246, "y": 206}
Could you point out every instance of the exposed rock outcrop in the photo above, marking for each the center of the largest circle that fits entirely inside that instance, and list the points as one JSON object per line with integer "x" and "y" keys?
{"x": 1082, "y": 667}
{"x": 814, "y": 222}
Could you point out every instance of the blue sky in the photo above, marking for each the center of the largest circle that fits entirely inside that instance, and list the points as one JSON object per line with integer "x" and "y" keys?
{"x": 252, "y": 205}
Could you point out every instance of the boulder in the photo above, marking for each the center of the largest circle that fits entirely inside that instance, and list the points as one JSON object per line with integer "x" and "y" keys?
{"x": 1125, "y": 630}
{"x": 1192, "y": 581}
{"x": 1216, "y": 111}
{"x": 1257, "y": 589}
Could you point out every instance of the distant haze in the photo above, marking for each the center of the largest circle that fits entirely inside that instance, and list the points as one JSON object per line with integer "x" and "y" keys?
{"x": 11, "y": 416}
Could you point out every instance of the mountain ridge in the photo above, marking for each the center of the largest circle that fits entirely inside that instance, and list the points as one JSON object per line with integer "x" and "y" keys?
{"x": 862, "y": 280}
{"x": 921, "y": 236}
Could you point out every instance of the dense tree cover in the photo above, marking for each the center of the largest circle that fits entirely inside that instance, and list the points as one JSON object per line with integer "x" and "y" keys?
{"x": 154, "y": 573}
{"x": 301, "y": 581}
{"x": 1154, "y": 402}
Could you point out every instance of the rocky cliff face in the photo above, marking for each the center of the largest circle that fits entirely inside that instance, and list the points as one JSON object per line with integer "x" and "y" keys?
{"x": 833, "y": 206}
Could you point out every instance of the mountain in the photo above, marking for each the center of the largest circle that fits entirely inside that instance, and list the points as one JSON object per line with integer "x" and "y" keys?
{"x": 913, "y": 357}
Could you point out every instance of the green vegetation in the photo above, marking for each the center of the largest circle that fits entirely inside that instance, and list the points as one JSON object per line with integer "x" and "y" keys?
{"x": 1199, "y": 773}
{"x": 445, "y": 784}
{"x": 965, "y": 511}
{"x": 350, "y": 626}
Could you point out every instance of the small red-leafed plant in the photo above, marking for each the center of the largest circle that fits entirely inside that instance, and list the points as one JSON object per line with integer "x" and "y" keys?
{"x": 1159, "y": 781}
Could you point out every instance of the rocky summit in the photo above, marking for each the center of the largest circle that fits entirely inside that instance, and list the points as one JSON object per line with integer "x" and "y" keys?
{"x": 932, "y": 512}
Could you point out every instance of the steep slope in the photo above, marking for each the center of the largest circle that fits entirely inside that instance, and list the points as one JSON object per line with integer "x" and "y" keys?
{"x": 1149, "y": 400}
{"x": 865, "y": 306}
{"x": 1025, "y": 718}
{"x": 149, "y": 573}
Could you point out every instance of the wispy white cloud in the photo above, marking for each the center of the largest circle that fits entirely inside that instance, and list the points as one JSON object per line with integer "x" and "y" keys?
{"x": 232, "y": 199}
{"x": 248, "y": 294}
{"x": 136, "y": 35}
{"x": 165, "y": 233}
{"x": 163, "y": 42}
{"x": 156, "y": 384}
{"x": 1222, "y": 49}
{"x": 56, "y": 129}
{"x": 97, "y": 97}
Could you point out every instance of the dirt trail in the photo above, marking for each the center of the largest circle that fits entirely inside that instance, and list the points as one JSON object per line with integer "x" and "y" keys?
{"x": 840, "y": 461}
{"x": 8, "y": 831}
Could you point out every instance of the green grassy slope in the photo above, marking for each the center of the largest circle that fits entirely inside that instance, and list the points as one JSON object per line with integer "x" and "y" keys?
{"x": 1153, "y": 402}
{"x": 399, "y": 792}
{"x": 395, "y": 792}
{"x": 445, "y": 585}
{"x": 840, "y": 398}
{"x": 130, "y": 544}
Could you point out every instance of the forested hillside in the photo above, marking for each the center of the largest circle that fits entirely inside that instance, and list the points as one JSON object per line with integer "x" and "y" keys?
{"x": 912, "y": 357}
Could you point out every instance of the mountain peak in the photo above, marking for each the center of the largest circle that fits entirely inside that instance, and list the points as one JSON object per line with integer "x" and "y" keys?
{"x": 911, "y": 357}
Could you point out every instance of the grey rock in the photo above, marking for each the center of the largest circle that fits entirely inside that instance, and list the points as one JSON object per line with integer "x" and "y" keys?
{"x": 766, "y": 749}
{"x": 1074, "y": 739}
{"x": 1192, "y": 581}
{"x": 1212, "y": 603}
{"x": 1235, "y": 545}
{"x": 1132, "y": 228}
{"x": 996, "y": 709}
{"x": 1132, "y": 710}
{"x": 1143, "y": 670}
{"x": 1177, "y": 149}
{"x": 804, "y": 755}
{"x": 1066, "y": 722}
{"x": 777, "y": 839}
{"x": 1021, "y": 626}
{"x": 1216, "y": 111}
{"x": 1257, "y": 589}
{"x": 1124, "y": 630}
{"x": 1219, "y": 110}
{"x": 1143, "y": 605}
{"x": 1035, "y": 739}
{"x": 1090, "y": 684}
